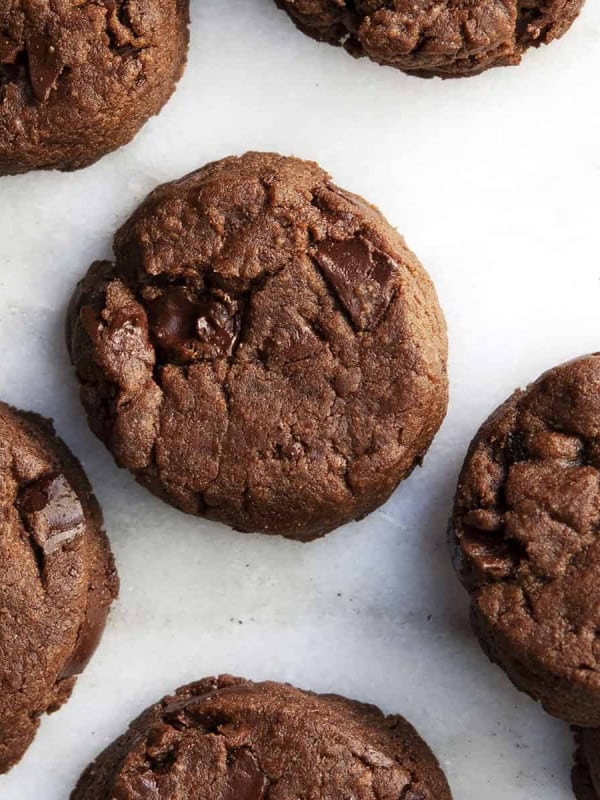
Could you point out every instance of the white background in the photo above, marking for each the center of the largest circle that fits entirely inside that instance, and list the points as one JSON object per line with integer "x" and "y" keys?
{"x": 495, "y": 182}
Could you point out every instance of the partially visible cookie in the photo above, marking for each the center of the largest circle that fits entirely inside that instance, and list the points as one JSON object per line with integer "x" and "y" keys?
{"x": 79, "y": 79}
{"x": 526, "y": 537}
{"x": 449, "y": 39}
{"x": 57, "y": 577}
{"x": 586, "y": 771}
{"x": 264, "y": 351}
{"x": 231, "y": 739}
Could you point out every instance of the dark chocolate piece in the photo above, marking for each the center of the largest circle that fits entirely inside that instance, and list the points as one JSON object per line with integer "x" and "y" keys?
{"x": 53, "y": 510}
{"x": 245, "y": 779}
{"x": 45, "y": 63}
{"x": 187, "y": 327}
{"x": 360, "y": 275}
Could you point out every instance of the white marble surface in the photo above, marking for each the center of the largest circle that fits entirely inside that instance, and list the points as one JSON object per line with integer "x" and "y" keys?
{"x": 495, "y": 182}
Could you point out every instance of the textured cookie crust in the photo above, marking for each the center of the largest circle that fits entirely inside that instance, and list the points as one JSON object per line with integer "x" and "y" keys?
{"x": 525, "y": 535}
{"x": 57, "y": 577}
{"x": 448, "y": 38}
{"x": 586, "y": 771}
{"x": 79, "y": 78}
{"x": 265, "y": 351}
{"x": 232, "y": 739}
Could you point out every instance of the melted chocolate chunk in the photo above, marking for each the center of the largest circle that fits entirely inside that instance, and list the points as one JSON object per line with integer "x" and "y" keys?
{"x": 360, "y": 275}
{"x": 52, "y": 511}
{"x": 187, "y": 328}
{"x": 245, "y": 779}
{"x": 45, "y": 65}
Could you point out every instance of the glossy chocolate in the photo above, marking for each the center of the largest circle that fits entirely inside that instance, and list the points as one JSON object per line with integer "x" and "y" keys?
{"x": 45, "y": 64}
{"x": 245, "y": 779}
{"x": 187, "y": 327}
{"x": 53, "y": 511}
{"x": 360, "y": 275}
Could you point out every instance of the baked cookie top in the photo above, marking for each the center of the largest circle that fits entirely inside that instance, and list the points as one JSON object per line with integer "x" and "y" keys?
{"x": 78, "y": 79}
{"x": 449, "y": 38}
{"x": 232, "y": 739}
{"x": 264, "y": 351}
{"x": 525, "y": 531}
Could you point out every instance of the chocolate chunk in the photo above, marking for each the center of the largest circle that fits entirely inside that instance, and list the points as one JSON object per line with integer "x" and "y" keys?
{"x": 245, "y": 779}
{"x": 45, "y": 64}
{"x": 360, "y": 275}
{"x": 53, "y": 511}
{"x": 485, "y": 558}
{"x": 187, "y": 328}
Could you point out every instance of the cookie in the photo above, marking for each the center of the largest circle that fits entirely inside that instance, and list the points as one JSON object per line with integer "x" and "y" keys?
{"x": 264, "y": 351}
{"x": 79, "y": 79}
{"x": 586, "y": 772}
{"x": 447, "y": 39}
{"x": 525, "y": 535}
{"x": 57, "y": 577}
{"x": 232, "y": 739}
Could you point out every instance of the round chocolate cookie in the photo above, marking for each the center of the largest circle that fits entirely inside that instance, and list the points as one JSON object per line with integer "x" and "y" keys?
{"x": 526, "y": 534}
{"x": 264, "y": 351}
{"x": 79, "y": 79}
{"x": 57, "y": 577}
{"x": 230, "y": 739}
{"x": 586, "y": 772}
{"x": 449, "y": 39}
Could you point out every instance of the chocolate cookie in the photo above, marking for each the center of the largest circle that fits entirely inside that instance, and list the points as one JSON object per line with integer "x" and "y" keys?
{"x": 586, "y": 772}
{"x": 230, "y": 739}
{"x": 426, "y": 38}
{"x": 264, "y": 351}
{"x": 79, "y": 79}
{"x": 57, "y": 577}
{"x": 526, "y": 528}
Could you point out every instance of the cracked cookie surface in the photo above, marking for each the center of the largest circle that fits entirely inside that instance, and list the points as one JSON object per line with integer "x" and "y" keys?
{"x": 230, "y": 739}
{"x": 79, "y": 78}
{"x": 447, "y": 38}
{"x": 264, "y": 351}
{"x": 57, "y": 577}
{"x": 525, "y": 534}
